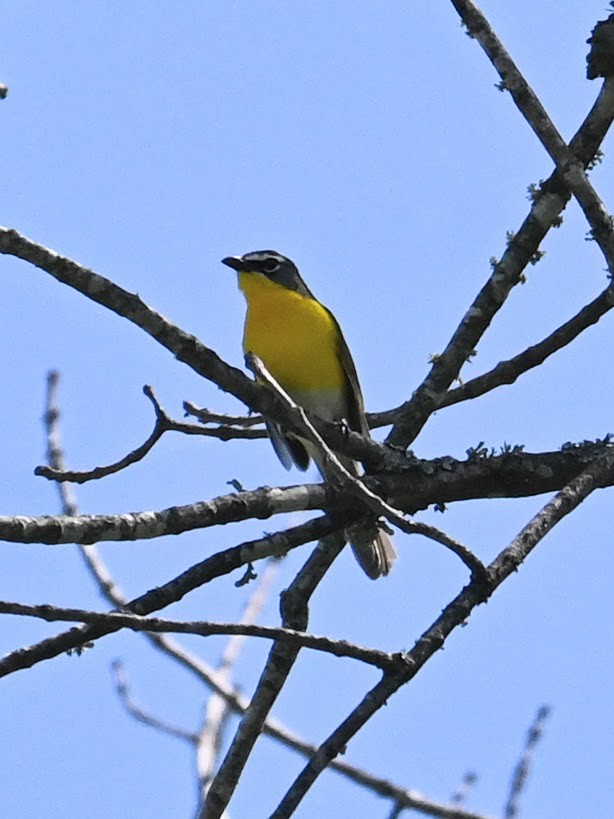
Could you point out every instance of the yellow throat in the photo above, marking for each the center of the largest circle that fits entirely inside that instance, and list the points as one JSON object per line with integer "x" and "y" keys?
{"x": 296, "y": 337}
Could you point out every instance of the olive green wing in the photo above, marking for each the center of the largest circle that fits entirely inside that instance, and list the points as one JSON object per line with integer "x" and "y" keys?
{"x": 355, "y": 403}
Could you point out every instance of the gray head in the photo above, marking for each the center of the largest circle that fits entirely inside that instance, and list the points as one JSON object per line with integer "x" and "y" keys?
{"x": 273, "y": 265}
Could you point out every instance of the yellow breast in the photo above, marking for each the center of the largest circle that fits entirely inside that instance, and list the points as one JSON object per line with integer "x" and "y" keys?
{"x": 295, "y": 336}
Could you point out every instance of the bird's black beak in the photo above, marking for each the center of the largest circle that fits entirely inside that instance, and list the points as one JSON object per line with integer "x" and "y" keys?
{"x": 236, "y": 262}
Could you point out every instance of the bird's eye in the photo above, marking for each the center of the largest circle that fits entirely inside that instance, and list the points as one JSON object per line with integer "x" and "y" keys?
{"x": 270, "y": 266}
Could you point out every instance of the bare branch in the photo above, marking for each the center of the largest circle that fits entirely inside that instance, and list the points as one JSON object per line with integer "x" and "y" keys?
{"x": 455, "y": 613}
{"x": 55, "y": 455}
{"x": 294, "y": 610}
{"x": 217, "y": 708}
{"x": 161, "y": 426}
{"x": 217, "y": 681}
{"x": 442, "y": 480}
{"x": 569, "y": 166}
{"x": 164, "y": 423}
{"x": 261, "y": 503}
{"x": 68, "y": 501}
{"x": 113, "y": 621}
{"x": 136, "y": 711}
{"x": 471, "y": 561}
{"x": 520, "y": 251}
{"x": 521, "y": 772}
{"x": 468, "y": 781}
{"x": 219, "y": 564}
{"x": 506, "y": 372}
{"x": 207, "y": 416}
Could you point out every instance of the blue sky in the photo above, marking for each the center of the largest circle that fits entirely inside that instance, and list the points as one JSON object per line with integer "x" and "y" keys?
{"x": 367, "y": 141}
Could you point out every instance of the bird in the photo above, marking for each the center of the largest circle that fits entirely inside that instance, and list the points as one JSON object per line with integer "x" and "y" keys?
{"x": 300, "y": 343}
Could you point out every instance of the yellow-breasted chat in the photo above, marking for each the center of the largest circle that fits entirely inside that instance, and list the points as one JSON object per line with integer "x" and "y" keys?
{"x": 301, "y": 344}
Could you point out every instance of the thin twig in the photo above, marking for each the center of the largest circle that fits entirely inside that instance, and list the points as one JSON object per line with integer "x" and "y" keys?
{"x": 521, "y": 771}
{"x": 55, "y": 458}
{"x": 467, "y": 783}
{"x": 163, "y": 423}
{"x": 506, "y": 372}
{"x": 207, "y": 416}
{"x": 139, "y": 713}
{"x": 219, "y": 564}
{"x": 217, "y": 708}
{"x": 471, "y": 560}
{"x": 115, "y": 620}
{"x": 396, "y": 810}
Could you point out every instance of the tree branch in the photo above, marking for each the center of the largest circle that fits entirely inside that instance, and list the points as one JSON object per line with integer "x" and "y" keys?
{"x": 217, "y": 708}
{"x": 164, "y": 423}
{"x": 506, "y": 372}
{"x": 136, "y": 711}
{"x": 260, "y": 504}
{"x": 455, "y": 614}
{"x": 294, "y": 610}
{"x": 411, "y": 417}
{"x": 570, "y": 168}
{"x": 217, "y": 681}
{"x": 219, "y": 564}
{"x": 512, "y": 474}
{"x": 207, "y": 416}
{"x": 521, "y": 772}
{"x": 113, "y": 621}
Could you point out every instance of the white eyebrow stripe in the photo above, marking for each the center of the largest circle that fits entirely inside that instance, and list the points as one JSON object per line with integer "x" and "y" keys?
{"x": 262, "y": 256}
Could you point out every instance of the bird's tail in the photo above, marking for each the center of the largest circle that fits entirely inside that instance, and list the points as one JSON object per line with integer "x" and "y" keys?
{"x": 372, "y": 547}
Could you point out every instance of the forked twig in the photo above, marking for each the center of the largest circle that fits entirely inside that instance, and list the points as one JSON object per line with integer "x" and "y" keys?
{"x": 163, "y": 423}
{"x": 403, "y": 797}
{"x": 507, "y": 372}
{"x": 569, "y": 166}
{"x": 411, "y": 417}
{"x": 454, "y": 614}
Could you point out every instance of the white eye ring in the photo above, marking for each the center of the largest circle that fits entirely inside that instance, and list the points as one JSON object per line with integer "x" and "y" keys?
{"x": 270, "y": 266}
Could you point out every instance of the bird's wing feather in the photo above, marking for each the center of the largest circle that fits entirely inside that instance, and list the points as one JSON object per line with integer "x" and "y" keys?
{"x": 288, "y": 449}
{"x": 355, "y": 403}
